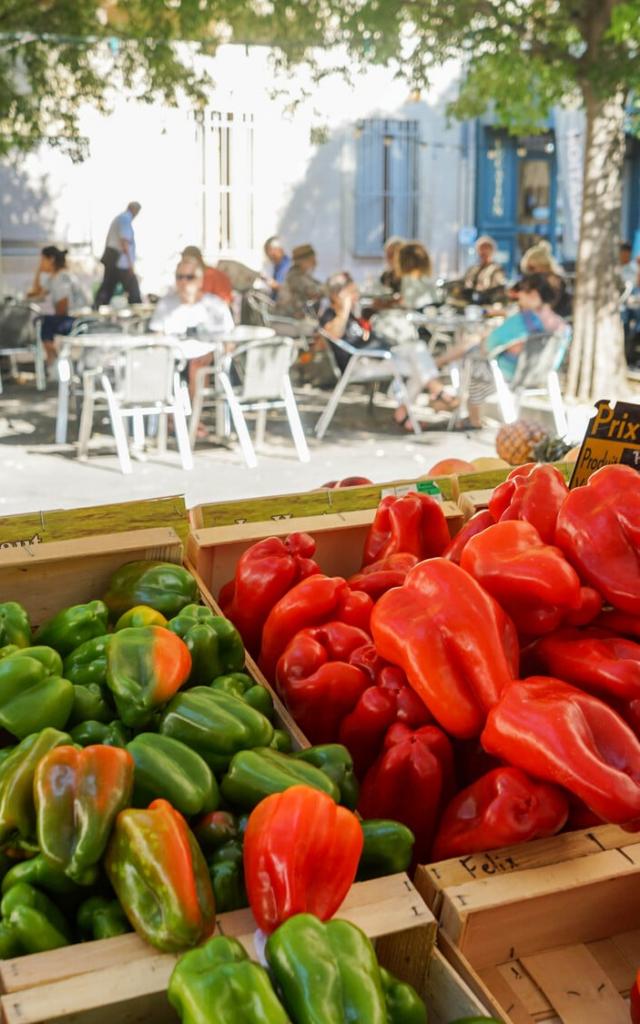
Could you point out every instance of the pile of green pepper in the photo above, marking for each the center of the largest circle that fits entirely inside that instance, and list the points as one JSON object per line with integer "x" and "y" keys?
{"x": 141, "y": 704}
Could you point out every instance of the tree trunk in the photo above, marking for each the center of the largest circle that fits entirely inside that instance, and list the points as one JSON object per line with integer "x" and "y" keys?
{"x": 597, "y": 367}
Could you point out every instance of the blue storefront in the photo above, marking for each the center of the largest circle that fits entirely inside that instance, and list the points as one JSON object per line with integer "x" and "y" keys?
{"x": 520, "y": 197}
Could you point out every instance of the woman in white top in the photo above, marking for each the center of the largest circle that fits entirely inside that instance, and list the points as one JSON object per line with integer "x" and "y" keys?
{"x": 189, "y": 312}
{"x": 54, "y": 282}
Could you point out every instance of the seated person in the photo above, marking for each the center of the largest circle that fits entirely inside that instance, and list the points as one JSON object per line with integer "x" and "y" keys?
{"x": 484, "y": 282}
{"x": 539, "y": 260}
{"x": 54, "y": 282}
{"x": 341, "y": 321}
{"x": 627, "y": 270}
{"x": 300, "y": 287}
{"x": 188, "y": 311}
{"x": 390, "y": 277}
{"x": 214, "y": 281}
{"x": 280, "y": 263}
{"x": 417, "y": 287}
{"x": 534, "y": 316}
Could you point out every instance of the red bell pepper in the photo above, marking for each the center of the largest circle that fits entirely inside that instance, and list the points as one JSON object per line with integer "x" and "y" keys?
{"x": 535, "y": 497}
{"x": 316, "y": 681}
{"x": 301, "y": 854}
{"x": 599, "y": 531}
{"x": 561, "y": 734}
{"x": 377, "y": 578}
{"x": 533, "y": 580}
{"x": 619, "y": 622}
{"x": 635, "y": 1000}
{"x": 479, "y": 522}
{"x": 456, "y": 645}
{"x": 591, "y": 659}
{"x": 264, "y": 574}
{"x": 414, "y": 524}
{"x": 502, "y": 808}
{"x": 389, "y": 700}
{"x": 410, "y": 782}
{"x": 311, "y": 602}
{"x": 589, "y": 608}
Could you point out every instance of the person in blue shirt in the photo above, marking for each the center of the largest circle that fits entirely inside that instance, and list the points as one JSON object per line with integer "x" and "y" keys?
{"x": 276, "y": 255}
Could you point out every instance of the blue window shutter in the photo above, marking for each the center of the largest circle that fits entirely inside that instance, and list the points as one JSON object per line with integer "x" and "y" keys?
{"x": 386, "y": 183}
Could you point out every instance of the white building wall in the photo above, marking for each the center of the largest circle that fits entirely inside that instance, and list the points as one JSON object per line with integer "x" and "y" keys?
{"x": 301, "y": 189}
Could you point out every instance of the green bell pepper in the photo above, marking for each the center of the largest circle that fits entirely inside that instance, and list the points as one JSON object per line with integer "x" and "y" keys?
{"x": 281, "y": 741}
{"x": 161, "y": 585}
{"x": 9, "y": 649}
{"x": 101, "y": 918}
{"x": 88, "y": 662}
{"x": 10, "y": 945}
{"x": 31, "y": 698}
{"x": 215, "y": 829}
{"x": 17, "y": 809}
{"x": 146, "y": 666}
{"x": 42, "y": 873}
{"x": 404, "y": 1005}
{"x": 326, "y": 973}
{"x": 218, "y": 982}
{"x": 227, "y": 877}
{"x": 243, "y": 686}
{"x": 113, "y": 734}
{"x": 336, "y": 762}
{"x": 166, "y": 767}
{"x": 74, "y": 626}
{"x": 90, "y": 705}
{"x": 216, "y": 724}
{"x": 141, "y": 615}
{"x": 48, "y": 658}
{"x": 256, "y": 774}
{"x": 214, "y": 642}
{"x": 161, "y": 878}
{"x": 387, "y": 850}
{"x": 15, "y": 627}
{"x": 36, "y": 922}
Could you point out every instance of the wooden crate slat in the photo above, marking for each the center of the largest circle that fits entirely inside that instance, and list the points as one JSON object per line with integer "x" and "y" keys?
{"x": 35, "y": 528}
{"x": 447, "y": 995}
{"x": 123, "y": 989}
{"x": 516, "y": 991}
{"x": 577, "y": 987}
{"x": 308, "y": 503}
{"x": 433, "y": 879}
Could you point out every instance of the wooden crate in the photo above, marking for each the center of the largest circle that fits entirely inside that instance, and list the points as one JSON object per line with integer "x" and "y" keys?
{"x": 547, "y": 939}
{"x": 214, "y": 551}
{"x": 125, "y": 980}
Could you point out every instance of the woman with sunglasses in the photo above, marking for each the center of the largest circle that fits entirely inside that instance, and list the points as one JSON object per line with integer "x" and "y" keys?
{"x": 188, "y": 311}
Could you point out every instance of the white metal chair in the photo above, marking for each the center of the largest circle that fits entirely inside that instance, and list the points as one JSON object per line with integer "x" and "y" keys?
{"x": 365, "y": 366}
{"x": 264, "y": 312}
{"x": 262, "y": 369}
{"x": 536, "y": 374}
{"x": 20, "y": 337}
{"x": 147, "y": 383}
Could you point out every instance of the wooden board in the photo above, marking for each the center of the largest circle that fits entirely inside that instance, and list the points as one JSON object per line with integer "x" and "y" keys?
{"x": 133, "y": 987}
{"x": 339, "y": 537}
{"x": 32, "y": 528}
{"x": 432, "y": 880}
{"x": 308, "y": 503}
{"x": 557, "y": 943}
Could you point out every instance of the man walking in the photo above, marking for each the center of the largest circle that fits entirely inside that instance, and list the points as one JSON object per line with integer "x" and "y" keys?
{"x": 119, "y": 258}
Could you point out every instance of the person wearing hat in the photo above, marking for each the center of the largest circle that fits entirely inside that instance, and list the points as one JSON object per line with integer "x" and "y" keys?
{"x": 300, "y": 287}
{"x": 486, "y": 276}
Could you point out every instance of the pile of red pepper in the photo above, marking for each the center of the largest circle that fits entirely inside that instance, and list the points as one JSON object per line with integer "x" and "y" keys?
{"x": 487, "y": 686}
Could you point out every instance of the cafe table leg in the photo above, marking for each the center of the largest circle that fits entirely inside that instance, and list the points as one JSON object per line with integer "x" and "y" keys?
{"x": 62, "y": 414}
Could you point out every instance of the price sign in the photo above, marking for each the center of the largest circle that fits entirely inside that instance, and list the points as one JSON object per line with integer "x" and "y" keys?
{"x": 613, "y": 436}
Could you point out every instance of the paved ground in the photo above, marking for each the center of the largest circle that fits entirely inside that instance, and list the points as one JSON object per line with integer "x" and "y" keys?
{"x": 36, "y": 474}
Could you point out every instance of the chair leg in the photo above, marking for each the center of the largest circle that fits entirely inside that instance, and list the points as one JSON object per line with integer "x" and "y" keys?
{"x": 196, "y": 413}
{"x": 328, "y": 414}
{"x": 404, "y": 398}
{"x": 557, "y": 404}
{"x": 62, "y": 414}
{"x": 295, "y": 422}
{"x": 86, "y": 416}
{"x": 0, "y": 382}
{"x": 182, "y": 436}
{"x": 138, "y": 431}
{"x": 40, "y": 364}
{"x": 239, "y": 422}
{"x": 162, "y": 433}
{"x": 261, "y": 424}
{"x": 506, "y": 398}
{"x": 117, "y": 425}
